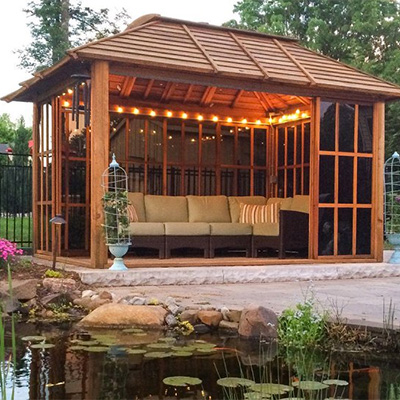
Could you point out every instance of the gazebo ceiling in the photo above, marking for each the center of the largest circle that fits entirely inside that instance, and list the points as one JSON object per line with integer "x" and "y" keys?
{"x": 164, "y": 94}
{"x": 191, "y": 55}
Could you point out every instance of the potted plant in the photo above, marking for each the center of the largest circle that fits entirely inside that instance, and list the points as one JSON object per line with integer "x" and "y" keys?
{"x": 116, "y": 220}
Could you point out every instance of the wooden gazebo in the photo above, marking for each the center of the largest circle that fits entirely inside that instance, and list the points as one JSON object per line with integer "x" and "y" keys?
{"x": 191, "y": 108}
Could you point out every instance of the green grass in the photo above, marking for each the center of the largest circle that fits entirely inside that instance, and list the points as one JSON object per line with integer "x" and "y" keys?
{"x": 7, "y": 229}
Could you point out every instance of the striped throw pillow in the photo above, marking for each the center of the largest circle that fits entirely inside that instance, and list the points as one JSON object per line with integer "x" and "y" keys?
{"x": 254, "y": 214}
{"x": 132, "y": 214}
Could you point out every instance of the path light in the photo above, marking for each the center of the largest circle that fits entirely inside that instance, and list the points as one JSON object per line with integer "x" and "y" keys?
{"x": 56, "y": 221}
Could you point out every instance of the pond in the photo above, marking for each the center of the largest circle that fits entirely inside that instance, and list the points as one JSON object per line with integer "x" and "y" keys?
{"x": 65, "y": 363}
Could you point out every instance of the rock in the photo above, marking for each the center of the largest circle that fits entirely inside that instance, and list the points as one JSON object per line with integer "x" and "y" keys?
{"x": 139, "y": 301}
{"x": 233, "y": 315}
{"x": 12, "y": 305}
{"x": 88, "y": 293}
{"x": 56, "y": 298}
{"x": 90, "y": 304}
{"x": 57, "y": 285}
{"x": 224, "y": 310}
{"x": 171, "y": 321}
{"x": 49, "y": 314}
{"x": 210, "y": 318}
{"x": 125, "y": 315}
{"x": 201, "y": 328}
{"x": 104, "y": 295}
{"x": 189, "y": 315}
{"x": 172, "y": 305}
{"x": 257, "y": 321}
{"x": 94, "y": 297}
{"x": 228, "y": 326}
{"x": 24, "y": 289}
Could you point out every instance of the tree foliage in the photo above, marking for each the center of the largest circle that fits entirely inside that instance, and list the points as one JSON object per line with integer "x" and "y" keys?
{"x": 362, "y": 33}
{"x": 57, "y": 25}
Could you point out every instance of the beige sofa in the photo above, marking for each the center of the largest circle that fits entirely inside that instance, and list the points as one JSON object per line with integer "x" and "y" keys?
{"x": 166, "y": 223}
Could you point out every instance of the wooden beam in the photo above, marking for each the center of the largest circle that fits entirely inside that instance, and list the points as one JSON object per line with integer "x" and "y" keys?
{"x": 208, "y": 95}
{"x": 237, "y": 97}
{"x": 302, "y": 100}
{"x": 201, "y": 48}
{"x": 168, "y": 91}
{"x": 262, "y": 102}
{"x": 266, "y": 98}
{"x": 35, "y": 177}
{"x": 188, "y": 93}
{"x": 99, "y": 160}
{"x": 377, "y": 181}
{"x": 251, "y": 56}
{"x": 127, "y": 86}
{"x": 296, "y": 62}
{"x": 148, "y": 89}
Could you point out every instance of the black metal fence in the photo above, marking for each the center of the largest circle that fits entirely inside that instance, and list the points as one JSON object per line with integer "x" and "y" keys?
{"x": 16, "y": 199}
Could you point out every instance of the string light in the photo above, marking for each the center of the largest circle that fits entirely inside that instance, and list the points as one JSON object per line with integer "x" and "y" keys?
{"x": 229, "y": 119}
{"x": 70, "y": 91}
{"x": 184, "y": 115}
{"x": 66, "y": 104}
{"x": 169, "y": 114}
{"x": 200, "y": 118}
{"x": 136, "y": 111}
{"x": 297, "y": 111}
{"x": 152, "y": 113}
{"x": 244, "y": 121}
{"x": 258, "y": 122}
{"x": 215, "y": 118}
{"x": 120, "y": 109}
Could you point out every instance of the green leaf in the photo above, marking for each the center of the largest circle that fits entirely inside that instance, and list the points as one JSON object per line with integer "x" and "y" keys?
{"x": 233, "y": 382}
{"x": 42, "y": 346}
{"x": 33, "y": 338}
{"x": 157, "y": 354}
{"x": 182, "y": 381}
{"x": 96, "y": 349}
{"x": 336, "y": 382}
{"x": 310, "y": 385}
{"x": 270, "y": 388}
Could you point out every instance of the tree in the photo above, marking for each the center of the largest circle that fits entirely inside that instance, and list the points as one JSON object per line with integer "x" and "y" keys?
{"x": 362, "y": 33}
{"x": 57, "y": 25}
{"x": 7, "y": 129}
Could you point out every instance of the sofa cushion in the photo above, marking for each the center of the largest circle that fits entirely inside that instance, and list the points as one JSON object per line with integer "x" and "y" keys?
{"x": 252, "y": 214}
{"x": 132, "y": 214}
{"x": 230, "y": 229}
{"x": 286, "y": 203}
{"x": 187, "y": 229}
{"x": 301, "y": 203}
{"x": 234, "y": 201}
{"x": 166, "y": 208}
{"x": 146, "y": 229}
{"x": 266, "y": 229}
{"x": 208, "y": 209}
{"x": 136, "y": 199}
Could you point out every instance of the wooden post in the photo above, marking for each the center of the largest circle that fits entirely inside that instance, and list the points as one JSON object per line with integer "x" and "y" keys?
{"x": 377, "y": 181}
{"x": 35, "y": 165}
{"x": 99, "y": 156}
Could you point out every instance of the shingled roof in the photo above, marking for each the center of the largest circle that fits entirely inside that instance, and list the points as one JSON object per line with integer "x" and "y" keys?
{"x": 175, "y": 45}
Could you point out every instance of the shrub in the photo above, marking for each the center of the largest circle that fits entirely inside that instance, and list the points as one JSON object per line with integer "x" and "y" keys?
{"x": 53, "y": 274}
{"x": 301, "y": 327}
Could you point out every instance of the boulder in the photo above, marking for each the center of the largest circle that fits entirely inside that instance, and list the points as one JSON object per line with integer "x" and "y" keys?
{"x": 258, "y": 321}
{"x": 233, "y": 315}
{"x": 90, "y": 304}
{"x": 171, "y": 321}
{"x": 56, "y": 285}
{"x": 104, "y": 295}
{"x": 189, "y": 315}
{"x": 210, "y": 318}
{"x": 117, "y": 315}
{"x": 88, "y": 293}
{"x": 24, "y": 289}
{"x": 228, "y": 326}
{"x": 201, "y": 328}
{"x": 171, "y": 305}
{"x": 56, "y": 298}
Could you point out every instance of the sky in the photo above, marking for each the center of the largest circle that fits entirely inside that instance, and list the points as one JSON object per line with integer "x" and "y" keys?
{"x": 14, "y": 34}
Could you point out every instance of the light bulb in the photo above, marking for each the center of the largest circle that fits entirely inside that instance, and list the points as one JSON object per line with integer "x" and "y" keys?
{"x": 244, "y": 121}
{"x": 136, "y": 111}
{"x": 200, "y": 118}
{"x": 215, "y": 118}
{"x": 152, "y": 113}
{"x": 120, "y": 109}
{"x": 169, "y": 114}
{"x": 258, "y": 122}
{"x": 66, "y": 104}
{"x": 70, "y": 91}
{"x": 229, "y": 119}
{"x": 184, "y": 115}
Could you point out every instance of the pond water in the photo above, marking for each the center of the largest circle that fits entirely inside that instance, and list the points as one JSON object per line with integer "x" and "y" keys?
{"x": 133, "y": 364}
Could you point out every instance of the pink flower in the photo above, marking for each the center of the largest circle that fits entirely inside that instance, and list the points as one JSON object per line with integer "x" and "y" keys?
{"x": 8, "y": 250}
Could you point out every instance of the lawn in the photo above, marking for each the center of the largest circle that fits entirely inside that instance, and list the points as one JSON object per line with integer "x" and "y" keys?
{"x": 23, "y": 230}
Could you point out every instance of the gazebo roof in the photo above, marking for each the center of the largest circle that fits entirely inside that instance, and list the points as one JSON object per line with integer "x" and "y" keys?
{"x": 177, "y": 46}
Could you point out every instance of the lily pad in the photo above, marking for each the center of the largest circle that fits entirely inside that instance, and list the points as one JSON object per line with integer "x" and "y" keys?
{"x": 234, "y": 382}
{"x": 42, "y": 346}
{"x": 136, "y": 351}
{"x": 33, "y": 338}
{"x": 181, "y": 354}
{"x": 257, "y": 396}
{"x": 310, "y": 385}
{"x": 96, "y": 349}
{"x": 133, "y": 330}
{"x": 270, "y": 388}
{"x": 157, "y": 354}
{"x": 77, "y": 348}
{"x": 182, "y": 381}
{"x": 183, "y": 348}
{"x": 336, "y": 382}
{"x": 206, "y": 350}
{"x": 167, "y": 340}
{"x": 159, "y": 346}
{"x": 85, "y": 342}
{"x": 205, "y": 345}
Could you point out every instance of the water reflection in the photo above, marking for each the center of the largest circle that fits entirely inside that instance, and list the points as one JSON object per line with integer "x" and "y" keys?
{"x": 71, "y": 370}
